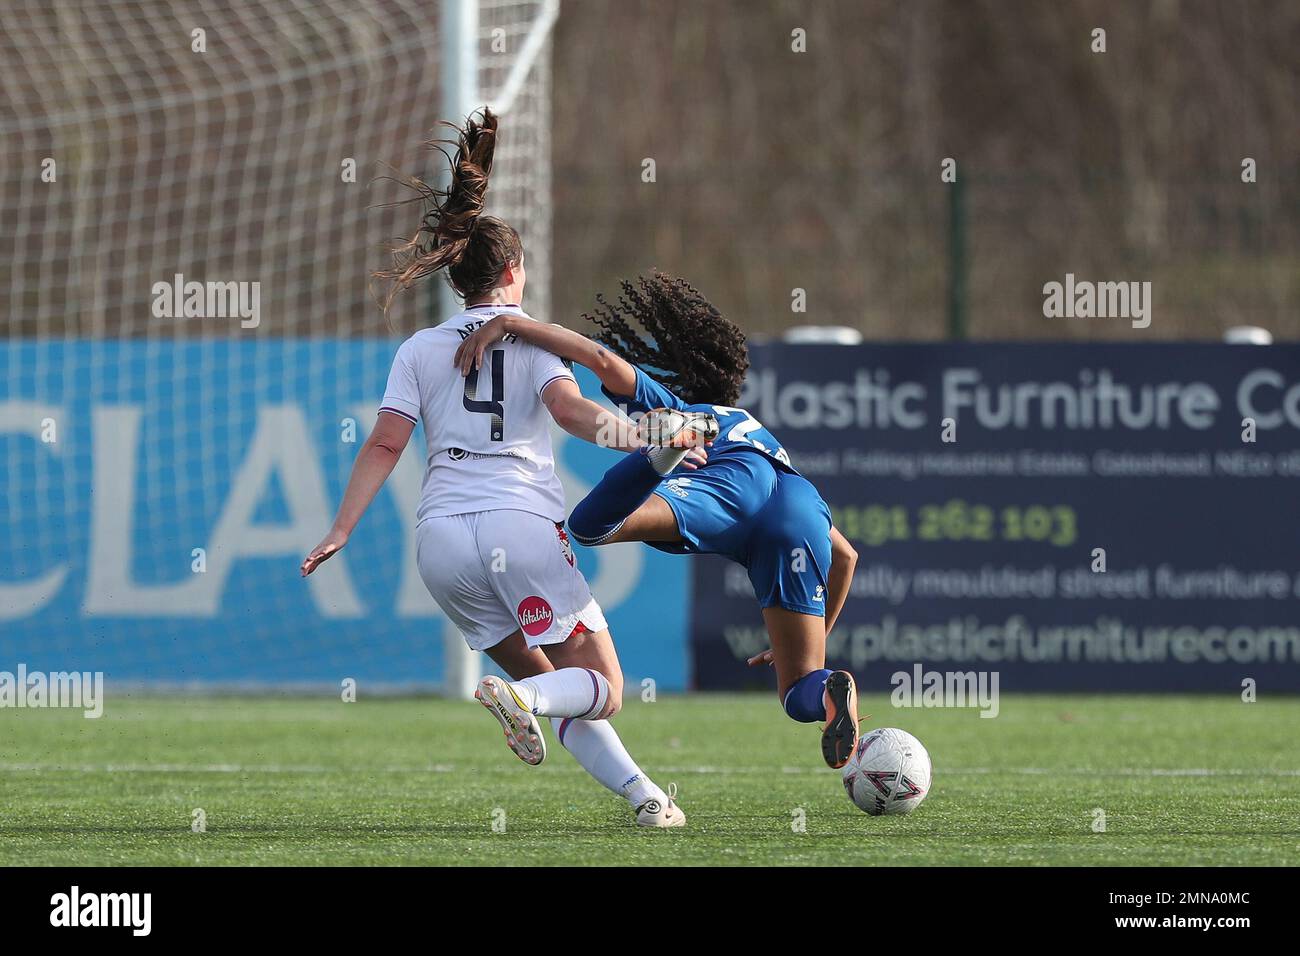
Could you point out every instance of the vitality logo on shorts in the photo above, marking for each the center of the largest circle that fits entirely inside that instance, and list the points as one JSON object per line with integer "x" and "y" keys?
{"x": 565, "y": 547}
{"x": 535, "y": 615}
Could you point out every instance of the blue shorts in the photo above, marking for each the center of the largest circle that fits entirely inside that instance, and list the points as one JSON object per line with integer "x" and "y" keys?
{"x": 773, "y": 522}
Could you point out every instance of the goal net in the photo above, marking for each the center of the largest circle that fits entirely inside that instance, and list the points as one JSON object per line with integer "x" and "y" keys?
{"x": 192, "y": 209}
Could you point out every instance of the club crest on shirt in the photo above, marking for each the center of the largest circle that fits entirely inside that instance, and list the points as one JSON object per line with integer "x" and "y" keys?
{"x": 566, "y": 547}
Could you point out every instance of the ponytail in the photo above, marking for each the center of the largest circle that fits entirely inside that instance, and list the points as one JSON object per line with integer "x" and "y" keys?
{"x": 454, "y": 235}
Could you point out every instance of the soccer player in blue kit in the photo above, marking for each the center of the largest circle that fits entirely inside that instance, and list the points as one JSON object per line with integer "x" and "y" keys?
{"x": 747, "y": 503}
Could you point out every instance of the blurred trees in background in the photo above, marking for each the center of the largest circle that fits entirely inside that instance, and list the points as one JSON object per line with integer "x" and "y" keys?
{"x": 778, "y": 170}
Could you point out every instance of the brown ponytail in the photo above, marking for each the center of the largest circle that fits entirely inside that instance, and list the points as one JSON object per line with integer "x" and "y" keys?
{"x": 454, "y": 234}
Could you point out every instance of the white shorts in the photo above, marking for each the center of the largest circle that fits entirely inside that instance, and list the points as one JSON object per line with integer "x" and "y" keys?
{"x": 497, "y": 572}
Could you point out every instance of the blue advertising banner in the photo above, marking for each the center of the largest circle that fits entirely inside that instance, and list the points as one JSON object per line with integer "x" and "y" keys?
{"x": 985, "y": 487}
{"x": 156, "y": 499}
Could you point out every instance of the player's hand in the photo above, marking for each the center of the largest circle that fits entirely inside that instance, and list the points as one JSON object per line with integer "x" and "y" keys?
{"x": 469, "y": 355}
{"x": 760, "y": 659}
{"x": 695, "y": 458}
{"x": 332, "y": 545}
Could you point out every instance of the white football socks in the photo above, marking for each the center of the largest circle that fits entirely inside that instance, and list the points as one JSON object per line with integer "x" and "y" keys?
{"x": 596, "y": 745}
{"x": 567, "y": 692}
{"x": 664, "y": 460}
{"x": 570, "y": 696}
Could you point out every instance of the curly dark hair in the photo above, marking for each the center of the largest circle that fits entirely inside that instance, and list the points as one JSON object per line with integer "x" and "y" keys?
{"x": 454, "y": 234}
{"x": 692, "y": 350}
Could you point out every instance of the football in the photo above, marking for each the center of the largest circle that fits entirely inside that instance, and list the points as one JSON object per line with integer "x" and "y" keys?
{"x": 889, "y": 772}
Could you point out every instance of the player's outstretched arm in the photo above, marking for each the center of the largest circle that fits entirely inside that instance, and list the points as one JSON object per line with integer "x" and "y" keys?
{"x": 614, "y": 372}
{"x": 375, "y": 462}
{"x": 583, "y": 418}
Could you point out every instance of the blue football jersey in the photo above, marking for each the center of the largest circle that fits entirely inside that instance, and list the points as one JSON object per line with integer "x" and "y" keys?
{"x": 739, "y": 431}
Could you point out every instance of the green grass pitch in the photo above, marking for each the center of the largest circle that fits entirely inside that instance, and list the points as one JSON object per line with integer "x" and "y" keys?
{"x": 1181, "y": 780}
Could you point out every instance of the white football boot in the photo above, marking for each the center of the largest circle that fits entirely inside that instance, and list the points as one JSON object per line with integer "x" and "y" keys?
{"x": 661, "y": 814}
{"x": 667, "y": 428}
{"x": 523, "y": 732}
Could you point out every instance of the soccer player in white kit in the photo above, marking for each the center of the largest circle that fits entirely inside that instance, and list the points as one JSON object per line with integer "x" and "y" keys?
{"x": 490, "y": 539}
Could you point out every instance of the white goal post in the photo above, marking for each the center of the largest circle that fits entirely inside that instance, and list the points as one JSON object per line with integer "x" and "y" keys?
{"x": 513, "y": 78}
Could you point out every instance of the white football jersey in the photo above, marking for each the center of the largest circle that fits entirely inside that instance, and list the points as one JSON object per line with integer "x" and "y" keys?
{"x": 487, "y": 434}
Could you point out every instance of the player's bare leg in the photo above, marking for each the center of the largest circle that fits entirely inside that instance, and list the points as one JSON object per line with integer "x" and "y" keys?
{"x": 799, "y": 655}
{"x": 622, "y": 506}
{"x": 516, "y": 658}
{"x": 593, "y": 650}
{"x": 651, "y": 521}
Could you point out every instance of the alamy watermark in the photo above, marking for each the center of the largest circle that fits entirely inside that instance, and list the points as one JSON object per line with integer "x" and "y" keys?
{"x": 76, "y": 908}
{"x": 81, "y": 690}
{"x": 1083, "y": 299}
{"x": 922, "y": 688}
{"x": 179, "y": 299}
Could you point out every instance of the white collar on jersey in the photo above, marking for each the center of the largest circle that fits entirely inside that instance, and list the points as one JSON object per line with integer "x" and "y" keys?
{"x": 483, "y": 311}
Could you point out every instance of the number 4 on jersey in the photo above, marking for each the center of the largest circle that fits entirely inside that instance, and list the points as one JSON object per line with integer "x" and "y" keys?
{"x": 494, "y": 406}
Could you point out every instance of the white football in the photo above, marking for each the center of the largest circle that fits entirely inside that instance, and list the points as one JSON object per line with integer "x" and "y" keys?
{"x": 889, "y": 772}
